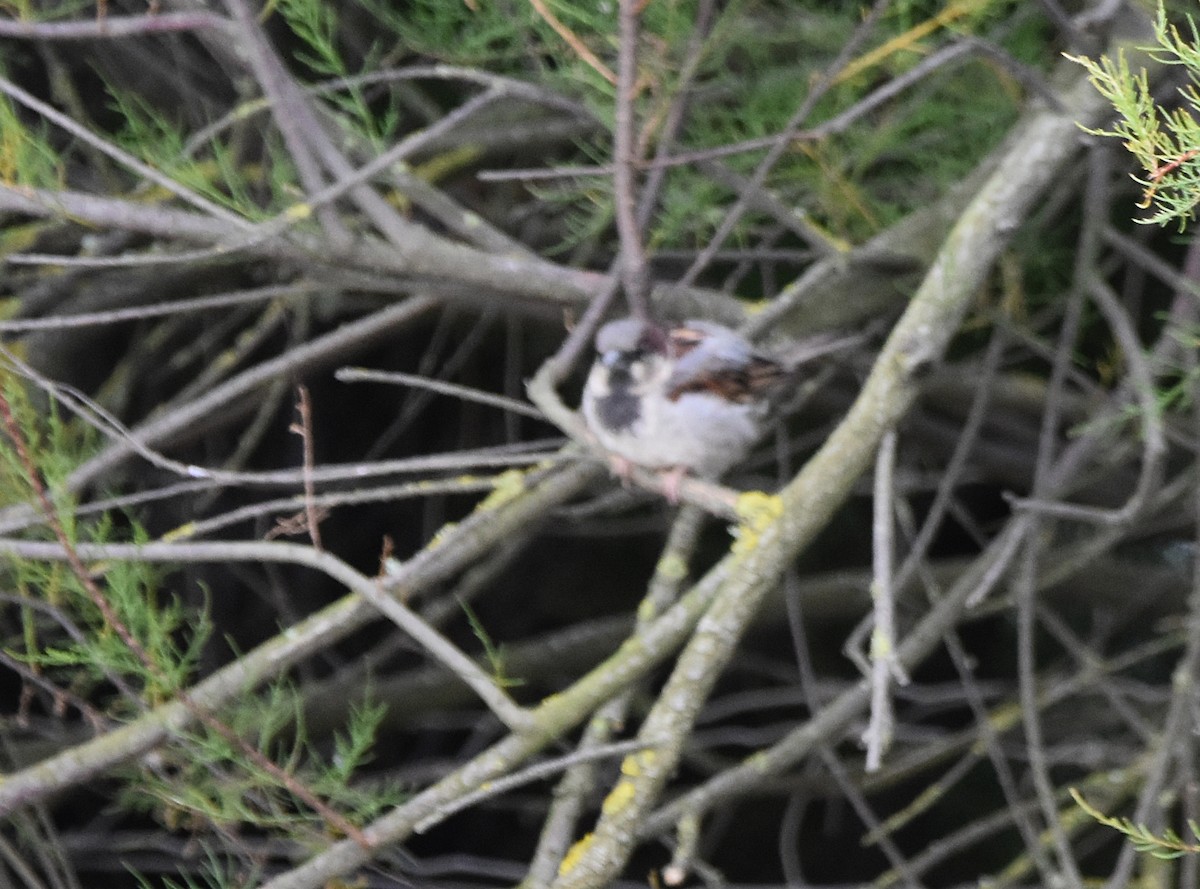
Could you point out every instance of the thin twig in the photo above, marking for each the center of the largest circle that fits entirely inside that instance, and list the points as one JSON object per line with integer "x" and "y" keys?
{"x": 573, "y": 41}
{"x": 157, "y": 310}
{"x": 884, "y": 667}
{"x": 634, "y": 271}
{"x": 312, "y": 513}
{"x": 652, "y": 188}
{"x": 322, "y": 502}
{"x": 112, "y": 27}
{"x": 466, "y": 393}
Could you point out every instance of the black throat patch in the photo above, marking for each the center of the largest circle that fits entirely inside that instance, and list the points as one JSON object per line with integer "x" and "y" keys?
{"x": 620, "y": 408}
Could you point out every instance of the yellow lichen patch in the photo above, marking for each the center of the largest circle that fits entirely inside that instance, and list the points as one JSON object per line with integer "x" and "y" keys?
{"x": 619, "y": 797}
{"x": 298, "y": 212}
{"x": 357, "y": 883}
{"x": 638, "y": 763}
{"x": 759, "y": 762}
{"x": 18, "y": 238}
{"x": 671, "y": 566}
{"x": 646, "y": 611}
{"x": 758, "y": 508}
{"x": 757, "y": 511}
{"x": 440, "y": 535}
{"x": 448, "y": 162}
{"x": 574, "y": 854}
{"x": 505, "y": 487}
{"x": 183, "y": 531}
{"x": 744, "y": 541}
{"x": 881, "y": 644}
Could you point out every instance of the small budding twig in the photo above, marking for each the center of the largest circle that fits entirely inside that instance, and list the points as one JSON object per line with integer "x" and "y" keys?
{"x": 312, "y": 515}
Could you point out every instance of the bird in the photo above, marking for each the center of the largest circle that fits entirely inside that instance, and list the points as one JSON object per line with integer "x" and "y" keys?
{"x": 686, "y": 398}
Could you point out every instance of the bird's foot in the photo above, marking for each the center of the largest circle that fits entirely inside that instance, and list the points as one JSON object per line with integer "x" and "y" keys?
{"x": 622, "y": 468}
{"x": 671, "y": 480}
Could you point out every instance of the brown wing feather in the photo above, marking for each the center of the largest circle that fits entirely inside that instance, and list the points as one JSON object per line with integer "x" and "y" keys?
{"x": 740, "y": 384}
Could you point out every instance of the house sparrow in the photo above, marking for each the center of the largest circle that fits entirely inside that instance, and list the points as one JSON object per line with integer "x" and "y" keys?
{"x": 690, "y": 398}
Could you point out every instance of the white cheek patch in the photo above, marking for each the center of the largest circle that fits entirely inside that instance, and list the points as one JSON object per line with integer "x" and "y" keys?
{"x": 600, "y": 383}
